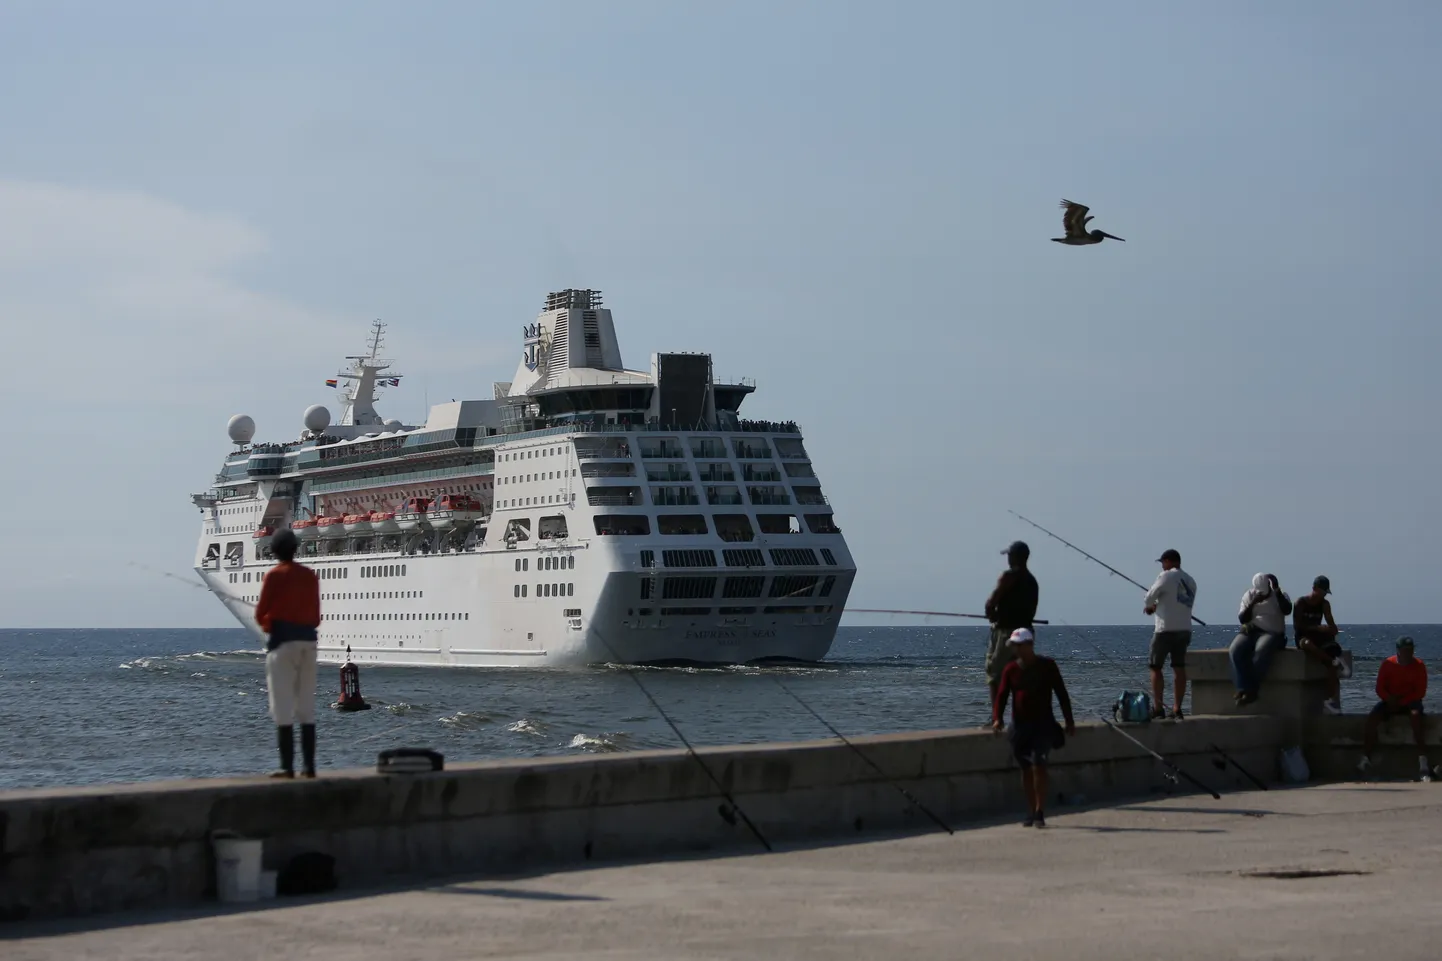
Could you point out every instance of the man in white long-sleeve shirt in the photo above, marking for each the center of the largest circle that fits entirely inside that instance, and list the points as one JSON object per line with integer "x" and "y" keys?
{"x": 1263, "y": 616}
{"x": 1170, "y": 599}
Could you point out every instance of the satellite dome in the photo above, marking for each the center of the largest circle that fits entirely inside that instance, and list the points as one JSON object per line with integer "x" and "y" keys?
{"x": 394, "y": 424}
{"x": 241, "y": 429}
{"x": 317, "y": 418}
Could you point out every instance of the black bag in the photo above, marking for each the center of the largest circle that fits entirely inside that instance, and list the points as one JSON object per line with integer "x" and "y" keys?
{"x": 1058, "y": 736}
{"x": 310, "y": 873}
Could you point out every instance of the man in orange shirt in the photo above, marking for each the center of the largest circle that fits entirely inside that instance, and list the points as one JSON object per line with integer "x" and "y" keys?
{"x": 1401, "y": 685}
{"x": 289, "y": 611}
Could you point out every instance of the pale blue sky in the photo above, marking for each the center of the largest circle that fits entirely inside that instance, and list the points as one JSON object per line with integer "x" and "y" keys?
{"x": 200, "y": 211}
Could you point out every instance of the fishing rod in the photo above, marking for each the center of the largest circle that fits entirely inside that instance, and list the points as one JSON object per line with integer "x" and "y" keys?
{"x": 189, "y": 583}
{"x": 1248, "y": 774}
{"x": 1168, "y": 764}
{"x": 878, "y": 610}
{"x": 894, "y": 783}
{"x": 616, "y": 659}
{"x": 1089, "y": 557}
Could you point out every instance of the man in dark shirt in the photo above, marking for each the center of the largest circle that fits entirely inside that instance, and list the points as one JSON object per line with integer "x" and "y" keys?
{"x": 1011, "y": 605}
{"x": 1031, "y": 681}
{"x": 1319, "y": 640}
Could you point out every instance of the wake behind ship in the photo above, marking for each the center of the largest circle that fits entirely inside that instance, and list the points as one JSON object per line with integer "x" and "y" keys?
{"x": 586, "y": 513}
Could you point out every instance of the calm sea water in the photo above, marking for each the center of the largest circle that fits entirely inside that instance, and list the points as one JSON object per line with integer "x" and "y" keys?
{"x": 81, "y": 707}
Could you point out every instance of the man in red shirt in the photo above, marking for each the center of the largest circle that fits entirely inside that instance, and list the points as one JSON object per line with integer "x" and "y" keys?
{"x": 1033, "y": 680}
{"x": 289, "y": 611}
{"x": 1401, "y": 685}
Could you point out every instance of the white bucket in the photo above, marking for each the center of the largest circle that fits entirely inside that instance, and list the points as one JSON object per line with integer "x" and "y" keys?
{"x": 237, "y": 867}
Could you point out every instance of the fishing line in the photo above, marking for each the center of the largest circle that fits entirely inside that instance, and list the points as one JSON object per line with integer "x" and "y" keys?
{"x": 904, "y": 792}
{"x": 616, "y": 659}
{"x": 1089, "y": 556}
{"x": 878, "y": 610}
{"x": 200, "y": 585}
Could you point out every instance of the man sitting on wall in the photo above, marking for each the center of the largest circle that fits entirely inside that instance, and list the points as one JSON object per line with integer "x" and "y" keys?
{"x": 1033, "y": 679}
{"x": 1316, "y": 634}
{"x": 1401, "y": 685}
{"x": 1263, "y": 617}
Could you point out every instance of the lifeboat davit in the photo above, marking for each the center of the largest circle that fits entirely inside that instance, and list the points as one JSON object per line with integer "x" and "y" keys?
{"x": 304, "y": 529}
{"x": 357, "y": 523}
{"x": 331, "y": 526}
{"x": 384, "y": 522}
{"x": 414, "y": 516}
{"x": 455, "y": 511}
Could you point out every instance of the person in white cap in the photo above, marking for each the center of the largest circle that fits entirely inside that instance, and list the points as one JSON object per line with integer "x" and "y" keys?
{"x": 1263, "y": 616}
{"x": 1032, "y": 680}
{"x": 1170, "y": 600}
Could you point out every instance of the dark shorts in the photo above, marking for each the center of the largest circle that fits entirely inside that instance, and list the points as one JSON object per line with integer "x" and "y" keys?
{"x": 1171, "y": 644}
{"x": 1325, "y": 643}
{"x": 1383, "y": 709}
{"x": 1031, "y": 743}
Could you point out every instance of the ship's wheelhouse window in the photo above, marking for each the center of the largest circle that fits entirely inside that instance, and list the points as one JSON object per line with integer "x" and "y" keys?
{"x": 622, "y": 524}
{"x": 734, "y": 527}
{"x": 778, "y": 523}
{"x": 822, "y": 524}
{"x": 681, "y": 524}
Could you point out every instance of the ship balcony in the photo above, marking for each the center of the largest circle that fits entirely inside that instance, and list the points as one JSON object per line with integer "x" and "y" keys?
{"x": 768, "y": 496}
{"x": 734, "y": 528}
{"x": 762, "y": 473}
{"x": 750, "y": 450}
{"x": 822, "y": 524}
{"x": 811, "y": 497}
{"x": 716, "y": 473}
{"x": 609, "y": 449}
{"x": 667, "y": 449}
{"x": 709, "y": 448}
{"x": 665, "y": 473}
{"x": 608, "y": 470}
{"x": 790, "y": 448}
{"x": 794, "y": 469}
{"x": 674, "y": 496}
{"x": 614, "y": 497}
{"x": 724, "y": 495}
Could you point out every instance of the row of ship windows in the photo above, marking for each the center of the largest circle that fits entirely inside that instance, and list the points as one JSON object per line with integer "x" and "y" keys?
{"x": 567, "y": 563}
{"x": 732, "y": 611}
{"x": 701, "y": 588}
{"x": 545, "y": 590}
{"x": 729, "y": 527}
{"x": 531, "y": 501}
{"x": 525, "y": 478}
{"x": 741, "y": 557}
{"x": 702, "y": 448}
{"x": 373, "y": 596}
{"x": 396, "y": 616}
{"x": 538, "y": 452}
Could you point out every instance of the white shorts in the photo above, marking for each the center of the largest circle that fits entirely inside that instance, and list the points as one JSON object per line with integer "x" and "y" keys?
{"x": 290, "y": 678}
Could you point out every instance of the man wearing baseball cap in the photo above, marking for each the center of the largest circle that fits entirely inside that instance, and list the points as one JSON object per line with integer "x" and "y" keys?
{"x": 1032, "y": 680}
{"x": 1319, "y": 640}
{"x": 1170, "y": 599}
{"x": 1401, "y": 686}
{"x": 1012, "y": 605}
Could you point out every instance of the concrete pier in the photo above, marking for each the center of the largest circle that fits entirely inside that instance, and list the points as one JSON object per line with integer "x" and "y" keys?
{"x": 1319, "y": 873}
{"x": 124, "y": 847}
{"x": 1294, "y": 688}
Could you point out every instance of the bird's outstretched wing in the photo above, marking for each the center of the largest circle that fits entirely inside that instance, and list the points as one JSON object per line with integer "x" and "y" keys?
{"x": 1074, "y": 221}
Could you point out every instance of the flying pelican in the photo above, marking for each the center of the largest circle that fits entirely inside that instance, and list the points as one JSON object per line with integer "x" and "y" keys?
{"x": 1074, "y": 222}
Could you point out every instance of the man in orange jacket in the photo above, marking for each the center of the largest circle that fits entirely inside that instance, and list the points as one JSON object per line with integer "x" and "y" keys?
{"x": 289, "y": 611}
{"x": 1401, "y": 685}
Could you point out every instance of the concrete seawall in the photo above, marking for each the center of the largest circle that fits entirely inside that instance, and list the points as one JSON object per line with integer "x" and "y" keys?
{"x": 110, "y": 848}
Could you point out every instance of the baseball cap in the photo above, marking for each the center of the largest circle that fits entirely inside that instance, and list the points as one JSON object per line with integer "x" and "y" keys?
{"x": 1170, "y": 555}
{"x": 1320, "y": 583}
{"x": 1020, "y": 636}
{"x": 1403, "y": 641}
{"x": 1018, "y": 548}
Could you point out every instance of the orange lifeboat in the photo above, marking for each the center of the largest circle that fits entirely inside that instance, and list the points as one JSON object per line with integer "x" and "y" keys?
{"x": 384, "y": 522}
{"x": 455, "y": 511}
{"x": 357, "y": 523}
{"x": 262, "y": 536}
{"x": 414, "y": 515}
{"x": 331, "y": 526}
{"x": 304, "y": 528}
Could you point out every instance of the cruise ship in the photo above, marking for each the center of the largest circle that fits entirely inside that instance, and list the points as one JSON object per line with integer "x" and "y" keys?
{"x": 586, "y": 513}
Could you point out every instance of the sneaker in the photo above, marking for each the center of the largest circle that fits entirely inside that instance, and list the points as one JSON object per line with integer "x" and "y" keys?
{"x": 1040, "y": 820}
{"x": 1364, "y": 766}
{"x": 1030, "y": 820}
{"x": 1246, "y": 698}
{"x": 1425, "y": 776}
{"x": 1159, "y": 714}
{"x": 1176, "y": 714}
{"x": 1331, "y": 707}
{"x": 282, "y": 773}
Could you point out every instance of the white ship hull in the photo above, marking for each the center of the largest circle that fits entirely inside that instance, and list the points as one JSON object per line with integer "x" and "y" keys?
{"x": 460, "y": 610}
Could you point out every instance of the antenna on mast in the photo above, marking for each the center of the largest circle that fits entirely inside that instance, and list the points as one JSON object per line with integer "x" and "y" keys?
{"x": 378, "y": 330}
